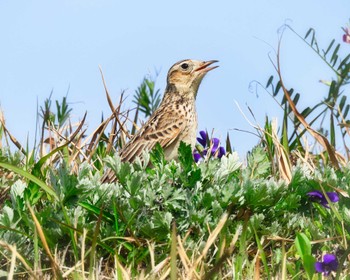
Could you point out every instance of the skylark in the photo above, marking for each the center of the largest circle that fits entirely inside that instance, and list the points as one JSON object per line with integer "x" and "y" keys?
{"x": 175, "y": 120}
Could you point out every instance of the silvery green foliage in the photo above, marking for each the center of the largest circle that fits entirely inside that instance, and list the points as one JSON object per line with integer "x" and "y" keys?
{"x": 113, "y": 162}
{"x": 194, "y": 196}
{"x": 17, "y": 191}
{"x": 7, "y": 215}
{"x": 346, "y": 214}
{"x": 145, "y": 201}
{"x": 228, "y": 165}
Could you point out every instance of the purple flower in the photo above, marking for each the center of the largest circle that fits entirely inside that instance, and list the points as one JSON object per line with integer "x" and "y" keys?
{"x": 330, "y": 263}
{"x": 221, "y": 152}
{"x": 197, "y": 156}
{"x": 203, "y": 138}
{"x": 318, "y": 196}
{"x": 215, "y": 149}
{"x": 215, "y": 144}
{"x": 346, "y": 36}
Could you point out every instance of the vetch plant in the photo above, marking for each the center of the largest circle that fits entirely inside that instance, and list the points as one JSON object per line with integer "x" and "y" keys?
{"x": 319, "y": 197}
{"x": 346, "y": 36}
{"x": 329, "y": 264}
{"x": 213, "y": 145}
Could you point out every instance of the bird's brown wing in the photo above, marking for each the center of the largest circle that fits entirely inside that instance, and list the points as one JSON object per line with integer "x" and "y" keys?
{"x": 163, "y": 127}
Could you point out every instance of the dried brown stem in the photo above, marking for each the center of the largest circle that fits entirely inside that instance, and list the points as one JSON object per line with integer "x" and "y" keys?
{"x": 322, "y": 140}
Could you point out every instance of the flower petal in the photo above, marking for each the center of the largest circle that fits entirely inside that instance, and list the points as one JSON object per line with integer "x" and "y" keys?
{"x": 327, "y": 258}
{"x": 196, "y": 157}
{"x": 333, "y": 196}
{"x": 215, "y": 144}
{"x": 221, "y": 152}
{"x": 203, "y": 139}
{"x": 330, "y": 262}
{"x": 203, "y": 134}
{"x": 319, "y": 267}
{"x": 346, "y": 36}
{"x": 316, "y": 194}
{"x": 334, "y": 265}
{"x": 324, "y": 203}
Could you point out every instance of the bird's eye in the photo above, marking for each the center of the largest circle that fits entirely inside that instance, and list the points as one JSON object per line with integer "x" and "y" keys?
{"x": 184, "y": 66}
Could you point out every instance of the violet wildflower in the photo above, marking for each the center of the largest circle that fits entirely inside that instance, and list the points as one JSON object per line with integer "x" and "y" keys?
{"x": 346, "y": 36}
{"x": 330, "y": 263}
{"x": 318, "y": 196}
{"x": 196, "y": 156}
{"x": 203, "y": 138}
{"x": 214, "y": 145}
{"x": 215, "y": 149}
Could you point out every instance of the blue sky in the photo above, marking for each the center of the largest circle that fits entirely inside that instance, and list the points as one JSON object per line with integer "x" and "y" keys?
{"x": 56, "y": 45}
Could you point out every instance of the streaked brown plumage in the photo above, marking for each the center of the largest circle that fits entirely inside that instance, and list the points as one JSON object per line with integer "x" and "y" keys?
{"x": 175, "y": 120}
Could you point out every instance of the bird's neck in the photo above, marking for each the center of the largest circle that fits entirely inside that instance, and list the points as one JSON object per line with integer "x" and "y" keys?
{"x": 178, "y": 93}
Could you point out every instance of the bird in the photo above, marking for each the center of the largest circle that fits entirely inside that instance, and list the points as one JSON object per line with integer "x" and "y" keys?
{"x": 175, "y": 120}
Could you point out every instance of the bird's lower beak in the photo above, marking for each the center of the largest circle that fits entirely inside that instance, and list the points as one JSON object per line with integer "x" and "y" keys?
{"x": 204, "y": 67}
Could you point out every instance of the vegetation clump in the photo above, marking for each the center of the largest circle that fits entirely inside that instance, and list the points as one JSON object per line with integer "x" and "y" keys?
{"x": 281, "y": 213}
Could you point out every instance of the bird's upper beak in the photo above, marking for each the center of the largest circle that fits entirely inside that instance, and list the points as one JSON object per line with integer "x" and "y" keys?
{"x": 204, "y": 66}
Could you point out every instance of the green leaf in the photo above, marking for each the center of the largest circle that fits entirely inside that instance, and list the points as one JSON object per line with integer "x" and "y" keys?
{"x": 309, "y": 265}
{"x": 303, "y": 245}
{"x": 261, "y": 251}
{"x": 269, "y": 81}
{"x": 135, "y": 184}
{"x": 342, "y": 102}
{"x": 285, "y": 134}
{"x": 332, "y": 130}
{"x": 228, "y": 144}
{"x": 296, "y": 98}
{"x": 334, "y": 57}
{"x": 277, "y": 89}
{"x": 344, "y": 62}
{"x": 157, "y": 155}
{"x": 49, "y": 190}
{"x": 33, "y": 193}
{"x": 346, "y": 111}
{"x": 185, "y": 156}
{"x": 329, "y": 47}
{"x": 194, "y": 177}
{"x": 96, "y": 210}
{"x": 311, "y": 30}
{"x": 124, "y": 172}
{"x": 146, "y": 98}
{"x": 258, "y": 163}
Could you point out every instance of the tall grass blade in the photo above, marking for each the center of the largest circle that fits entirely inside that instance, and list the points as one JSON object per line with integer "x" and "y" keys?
{"x": 42, "y": 237}
{"x": 49, "y": 190}
{"x": 173, "y": 254}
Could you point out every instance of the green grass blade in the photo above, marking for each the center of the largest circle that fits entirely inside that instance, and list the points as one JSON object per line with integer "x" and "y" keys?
{"x": 49, "y": 190}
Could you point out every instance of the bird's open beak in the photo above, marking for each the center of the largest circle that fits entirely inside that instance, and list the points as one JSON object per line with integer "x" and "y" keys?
{"x": 204, "y": 66}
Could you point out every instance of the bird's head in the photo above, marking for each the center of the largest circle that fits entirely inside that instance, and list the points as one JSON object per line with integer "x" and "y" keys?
{"x": 186, "y": 75}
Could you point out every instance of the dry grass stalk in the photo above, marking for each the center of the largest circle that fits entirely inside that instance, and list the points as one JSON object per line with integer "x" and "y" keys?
{"x": 173, "y": 254}
{"x": 13, "y": 250}
{"x": 13, "y": 264}
{"x": 346, "y": 126}
{"x": 119, "y": 268}
{"x": 116, "y": 113}
{"x": 211, "y": 239}
{"x": 283, "y": 163}
{"x": 322, "y": 140}
{"x": 42, "y": 237}
{"x": 12, "y": 138}
{"x": 225, "y": 256}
